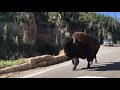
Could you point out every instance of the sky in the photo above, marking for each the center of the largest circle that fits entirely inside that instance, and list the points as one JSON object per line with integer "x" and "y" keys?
{"x": 113, "y": 14}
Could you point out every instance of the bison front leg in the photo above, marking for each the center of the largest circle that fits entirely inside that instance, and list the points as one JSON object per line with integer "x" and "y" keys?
{"x": 90, "y": 57}
{"x": 75, "y": 62}
{"x": 95, "y": 59}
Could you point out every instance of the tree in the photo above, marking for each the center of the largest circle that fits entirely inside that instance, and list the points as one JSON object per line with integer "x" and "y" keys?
{"x": 5, "y": 39}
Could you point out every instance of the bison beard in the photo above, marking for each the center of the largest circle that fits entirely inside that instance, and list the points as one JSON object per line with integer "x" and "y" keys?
{"x": 81, "y": 45}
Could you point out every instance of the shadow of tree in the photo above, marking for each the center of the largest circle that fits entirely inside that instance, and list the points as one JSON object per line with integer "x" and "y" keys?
{"x": 115, "y": 46}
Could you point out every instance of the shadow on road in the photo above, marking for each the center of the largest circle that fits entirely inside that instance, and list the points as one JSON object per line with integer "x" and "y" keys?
{"x": 112, "y": 46}
{"x": 112, "y": 66}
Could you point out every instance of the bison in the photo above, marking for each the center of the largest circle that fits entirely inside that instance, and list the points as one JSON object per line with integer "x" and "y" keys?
{"x": 81, "y": 45}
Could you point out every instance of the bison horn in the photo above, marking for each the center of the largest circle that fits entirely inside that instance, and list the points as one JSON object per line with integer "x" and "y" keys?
{"x": 73, "y": 40}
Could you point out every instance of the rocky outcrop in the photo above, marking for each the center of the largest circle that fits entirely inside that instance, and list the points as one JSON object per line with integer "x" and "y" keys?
{"x": 26, "y": 31}
{"x": 29, "y": 30}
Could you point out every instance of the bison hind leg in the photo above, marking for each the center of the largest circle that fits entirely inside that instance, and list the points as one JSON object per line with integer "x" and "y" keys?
{"x": 90, "y": 61}
{"x": 95, "y": 60}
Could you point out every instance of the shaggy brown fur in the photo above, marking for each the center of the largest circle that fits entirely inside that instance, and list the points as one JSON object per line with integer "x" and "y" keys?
{"x": 81, "y": 45}
{"x": 87, "y": 40}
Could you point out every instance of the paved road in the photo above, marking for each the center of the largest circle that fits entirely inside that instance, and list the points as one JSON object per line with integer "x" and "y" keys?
{"x": 108, "y": 66}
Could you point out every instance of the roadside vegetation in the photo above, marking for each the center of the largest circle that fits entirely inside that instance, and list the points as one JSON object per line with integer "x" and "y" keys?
{"x": 8, "y": 63}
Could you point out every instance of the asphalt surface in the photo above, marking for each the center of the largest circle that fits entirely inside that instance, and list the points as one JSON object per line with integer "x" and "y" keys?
{"x": 108, "y": 66}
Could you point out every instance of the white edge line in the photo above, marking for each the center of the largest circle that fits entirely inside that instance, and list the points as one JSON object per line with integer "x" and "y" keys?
{"x": 28, "y": 76}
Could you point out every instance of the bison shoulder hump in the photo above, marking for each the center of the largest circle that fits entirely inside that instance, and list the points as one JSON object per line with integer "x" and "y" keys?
{"x": 84, "y": 37}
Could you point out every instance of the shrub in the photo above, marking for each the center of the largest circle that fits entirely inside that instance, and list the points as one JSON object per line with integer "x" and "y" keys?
{"x": 118, "y": 42}
{"x": 46, "y": 48}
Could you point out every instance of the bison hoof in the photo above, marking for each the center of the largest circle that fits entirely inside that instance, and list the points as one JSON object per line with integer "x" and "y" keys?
{"x": 96, "y": 62}
{"x": 88, "y": 67}
{"x": 74, "y": 68}
{"x": 91, "y": 63}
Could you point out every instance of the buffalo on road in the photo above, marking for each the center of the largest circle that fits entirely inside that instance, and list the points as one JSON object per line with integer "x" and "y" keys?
{"x": 81, "y": 45}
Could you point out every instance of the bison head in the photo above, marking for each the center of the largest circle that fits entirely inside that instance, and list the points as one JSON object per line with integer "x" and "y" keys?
{"x": 69, "y": 44}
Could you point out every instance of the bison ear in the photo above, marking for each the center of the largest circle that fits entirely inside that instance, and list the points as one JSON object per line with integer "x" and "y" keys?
{"x": 73, "y": 40}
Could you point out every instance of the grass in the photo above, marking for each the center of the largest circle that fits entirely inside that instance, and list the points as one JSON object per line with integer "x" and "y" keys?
{"x": 8, "y": 63}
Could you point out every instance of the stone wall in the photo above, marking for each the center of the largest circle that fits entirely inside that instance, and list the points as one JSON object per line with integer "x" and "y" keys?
{"x": 34, "y": 62}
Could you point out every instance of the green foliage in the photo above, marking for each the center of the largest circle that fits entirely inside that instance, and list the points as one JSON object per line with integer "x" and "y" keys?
{"x": 9, "y": 63}
{"x": 16, "y": 40}
{"x": 46, "y": 48}
{"x": 56, "y": 39}
{"x": 40, "y": 16}
{"x": 5, "y": 32}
